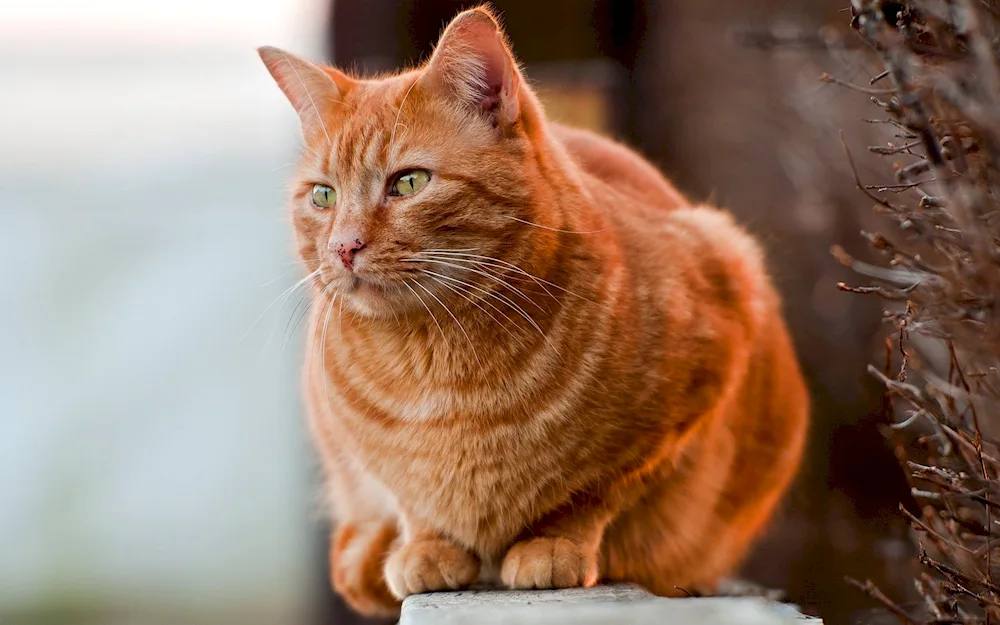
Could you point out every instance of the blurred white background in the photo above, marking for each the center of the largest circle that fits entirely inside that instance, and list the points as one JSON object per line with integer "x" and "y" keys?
{"x": 150, "y": 460}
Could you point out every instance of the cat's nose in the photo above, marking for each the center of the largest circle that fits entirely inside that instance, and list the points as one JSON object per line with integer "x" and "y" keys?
{"x": 347, "y": 246}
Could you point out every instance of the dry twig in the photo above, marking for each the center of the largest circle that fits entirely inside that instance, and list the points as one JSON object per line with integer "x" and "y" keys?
{"x": 941, "y": 61}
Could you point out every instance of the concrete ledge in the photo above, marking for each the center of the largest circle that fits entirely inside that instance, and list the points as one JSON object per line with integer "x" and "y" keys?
{"x": 622, "y": 604}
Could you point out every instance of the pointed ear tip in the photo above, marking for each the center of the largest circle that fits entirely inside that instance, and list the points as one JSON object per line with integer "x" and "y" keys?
{"x": 267, "y": 53}
{"x": 482, "y": 14}
{"x": 486, "y": 8}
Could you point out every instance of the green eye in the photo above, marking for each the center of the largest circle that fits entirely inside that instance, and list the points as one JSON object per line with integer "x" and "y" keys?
{"x": 410, "y": 182}
{"x": 323, "y": 196}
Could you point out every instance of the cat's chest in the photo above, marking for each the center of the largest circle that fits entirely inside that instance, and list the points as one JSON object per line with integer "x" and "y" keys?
{"x": 455, "y": 466}
{"x": 476, "y": 486}
{"x": 472, "y": 469}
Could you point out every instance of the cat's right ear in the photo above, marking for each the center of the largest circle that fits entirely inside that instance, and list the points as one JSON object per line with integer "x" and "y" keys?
{"x": 473, "y": 62}
{"x": 311, "y": 89}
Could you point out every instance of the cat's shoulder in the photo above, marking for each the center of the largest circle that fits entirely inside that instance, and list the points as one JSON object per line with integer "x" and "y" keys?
{"x": 619, "y": 166}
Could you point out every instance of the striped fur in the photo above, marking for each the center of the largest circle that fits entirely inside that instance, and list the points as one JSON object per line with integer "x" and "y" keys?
{"x": 548, "y": 368}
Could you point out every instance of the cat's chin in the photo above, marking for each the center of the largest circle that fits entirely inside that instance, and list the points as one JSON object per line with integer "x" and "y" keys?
{"x": 370, "y": 307}
{"x": 368, "y": 298}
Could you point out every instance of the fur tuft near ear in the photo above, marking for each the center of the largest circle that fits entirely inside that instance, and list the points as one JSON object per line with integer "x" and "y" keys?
{"x": 473, "y": 63}
{"x": 310, "y": 88}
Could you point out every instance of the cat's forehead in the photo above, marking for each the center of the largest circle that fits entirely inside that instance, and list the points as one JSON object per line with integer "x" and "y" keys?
{"x": 376, "y": 97}
{"x": 377, "y": 122}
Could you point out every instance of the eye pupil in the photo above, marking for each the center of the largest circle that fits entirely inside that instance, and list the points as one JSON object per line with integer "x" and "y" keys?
{"x": 323, "y": 196}
{"x": 410, "y": 182}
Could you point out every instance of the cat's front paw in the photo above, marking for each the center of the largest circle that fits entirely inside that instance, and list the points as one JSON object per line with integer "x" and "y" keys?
{"x": 549, "y": 563}
{"x": 356, "y": 557}
{"x": 429, "y": 565}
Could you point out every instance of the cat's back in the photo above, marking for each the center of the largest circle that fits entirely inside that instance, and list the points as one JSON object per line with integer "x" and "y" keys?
{"x": 619, "y": 167}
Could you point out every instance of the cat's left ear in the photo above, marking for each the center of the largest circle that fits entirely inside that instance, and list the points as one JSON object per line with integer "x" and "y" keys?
{"x": 473, "y": 63}
{"x": 312, "y": 90}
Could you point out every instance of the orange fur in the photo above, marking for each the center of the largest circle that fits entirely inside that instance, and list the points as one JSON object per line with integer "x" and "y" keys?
{"x": 590, "y": 379}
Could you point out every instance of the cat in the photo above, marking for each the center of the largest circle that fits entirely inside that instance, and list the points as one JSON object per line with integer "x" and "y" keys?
{"x": 531, "y": 360}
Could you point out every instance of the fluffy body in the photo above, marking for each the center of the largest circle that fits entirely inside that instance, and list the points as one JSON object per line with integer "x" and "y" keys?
{"x": 546, "y": 368}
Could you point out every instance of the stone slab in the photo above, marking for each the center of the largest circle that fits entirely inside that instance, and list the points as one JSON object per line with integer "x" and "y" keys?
{"x": 624, "y": 604}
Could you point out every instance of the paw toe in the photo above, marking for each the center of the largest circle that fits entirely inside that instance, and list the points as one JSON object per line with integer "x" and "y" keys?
{"x": 430, "y": 565}
{"x": 549, "y": 563}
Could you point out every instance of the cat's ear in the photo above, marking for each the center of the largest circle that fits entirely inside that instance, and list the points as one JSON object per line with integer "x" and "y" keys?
{"x": 310, "y": 88}
{"x": 474, "y": 65}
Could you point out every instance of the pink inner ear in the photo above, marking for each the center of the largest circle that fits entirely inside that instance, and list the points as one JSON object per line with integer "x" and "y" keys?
{"x": 474, "y": 47}
{"x": 495, "y": 56}
{"x": 497, "y": 75}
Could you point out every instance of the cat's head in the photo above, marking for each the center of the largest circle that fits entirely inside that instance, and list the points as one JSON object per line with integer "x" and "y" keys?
{"x": 406, "y": 182}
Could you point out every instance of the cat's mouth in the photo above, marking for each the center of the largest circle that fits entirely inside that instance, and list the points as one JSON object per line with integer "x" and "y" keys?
{"x": 370, "y": 297}
{"x": 364, "y": 293}
{"x": 355, "y": 284}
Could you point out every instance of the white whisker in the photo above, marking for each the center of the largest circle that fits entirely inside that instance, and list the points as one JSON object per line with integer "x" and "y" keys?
{"x": 473, "y": 302}
{"x": 529, "y": 275}
{"x": 312, "y": 102}
{"x": 323, "y": 346}
{"x": 290, "y": 327}
{"x": 399, "y": 112}
{"x": 479, "y": 272}
{"x": 531, "y": 223}
{"x": 452, "y": 315}
{"x": 406, "y": 283}
{"x": 282, "y": 274}
{"x": 493, "y": 263}
{"x": 472, "y": 287}
{"x": 500, "y": 296}
{"x": 340, "y": 316}
{"x": 281, "y": 298}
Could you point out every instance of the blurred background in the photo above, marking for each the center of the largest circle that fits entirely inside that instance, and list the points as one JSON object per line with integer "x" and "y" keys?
{"x": 153, "y": 460}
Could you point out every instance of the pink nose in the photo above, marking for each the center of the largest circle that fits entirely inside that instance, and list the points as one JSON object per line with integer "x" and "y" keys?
{"x": 347, "y": 247}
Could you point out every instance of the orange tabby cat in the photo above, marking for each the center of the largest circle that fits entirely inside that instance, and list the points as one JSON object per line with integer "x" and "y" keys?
{"x": 531, "y": 360}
